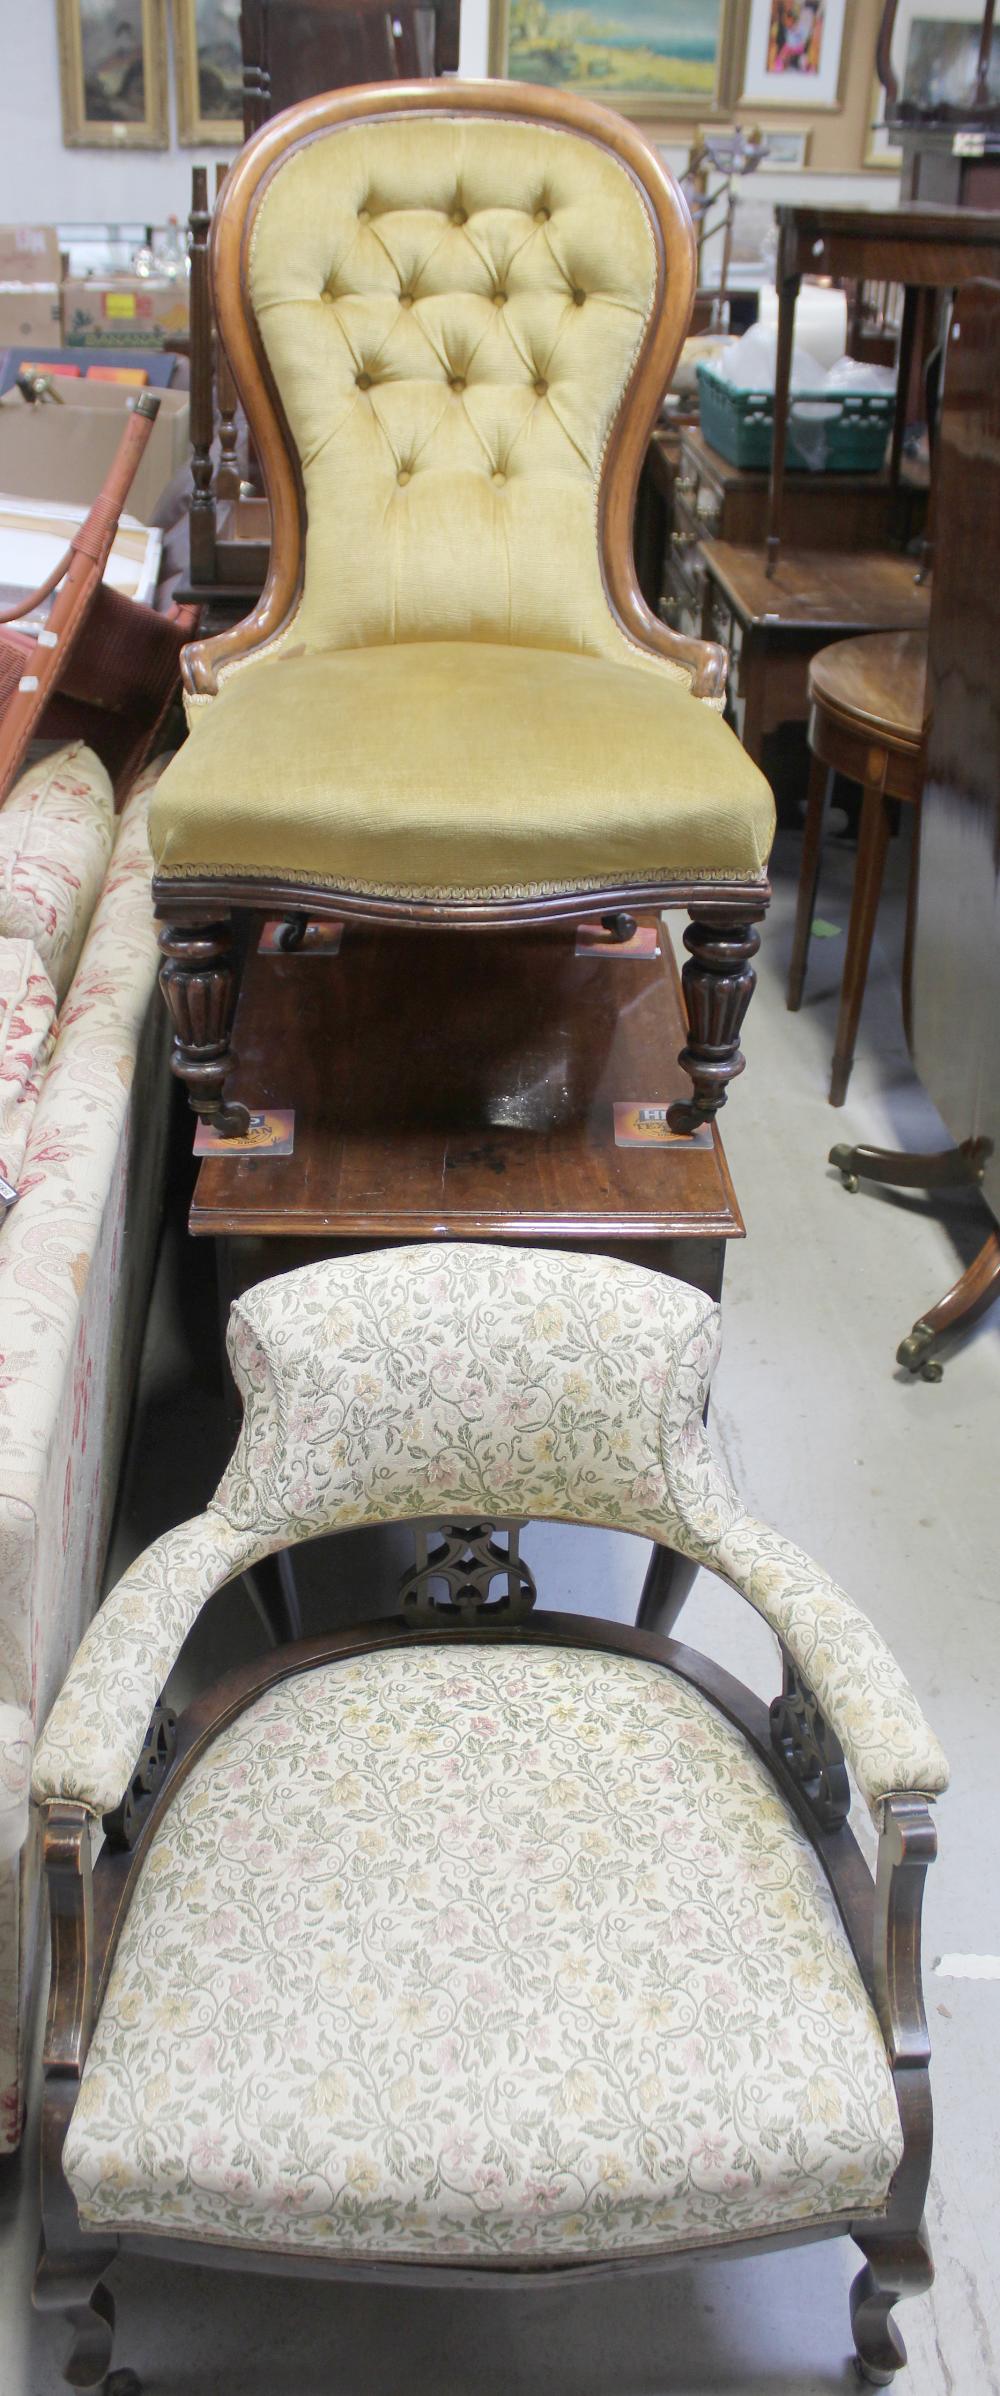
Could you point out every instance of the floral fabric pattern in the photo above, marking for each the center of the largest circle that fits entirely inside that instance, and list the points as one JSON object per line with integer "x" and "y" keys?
{"x": 75, "y": 1256}
{"x": 490, "y": 1951}
{"x": 481, "y": 1381}
{"x": 27, "y": 1037}
{"x": 57, "y": 827}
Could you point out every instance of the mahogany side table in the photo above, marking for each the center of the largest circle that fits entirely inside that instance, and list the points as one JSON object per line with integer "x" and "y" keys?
{"x": 469, "y": 1093}
{"x": 866, "y": 720}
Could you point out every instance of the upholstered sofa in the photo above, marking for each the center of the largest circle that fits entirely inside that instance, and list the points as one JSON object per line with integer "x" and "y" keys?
{"x": 82, "y": 1124}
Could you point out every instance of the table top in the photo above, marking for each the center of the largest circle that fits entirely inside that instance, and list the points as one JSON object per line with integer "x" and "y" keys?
{"x": 930, "y": 248}
{"x": 921, "y": 220}
{"x": 848, "y": 591}
{"x": 463, "y": 1086}
{"x": 878, "y": 682}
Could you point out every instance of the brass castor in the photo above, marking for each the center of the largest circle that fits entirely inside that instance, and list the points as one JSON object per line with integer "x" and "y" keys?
{"x": 912, "y": 1354}
{"x": 869, "y": 2377}
{"x": 843, "y": 1158}
{"x": 292, "y": 933}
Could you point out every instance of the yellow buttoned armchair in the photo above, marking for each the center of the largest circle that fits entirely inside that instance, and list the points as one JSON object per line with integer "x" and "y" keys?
{"x": 451, "y": 311}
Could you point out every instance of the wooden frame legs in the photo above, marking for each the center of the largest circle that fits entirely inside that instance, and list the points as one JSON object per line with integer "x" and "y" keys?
{"x": 821, "y": 781}
{"x": 74, "y": 2286}
{"x": 200, "y": 979}
{"x": 202, "y": 964}
{"x": 894, "y": 2267}
{"x": 873, "y": 841}
{"x": 719, "y": 982}
{"x": 978, "y": 1288}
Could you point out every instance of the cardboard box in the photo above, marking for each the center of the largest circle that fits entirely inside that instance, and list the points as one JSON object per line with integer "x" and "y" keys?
{"x": 48, "y": 451}
{"x": 29, "y": 254}
{"x": 29, "y": 312}
{"x": 124, "y": 312}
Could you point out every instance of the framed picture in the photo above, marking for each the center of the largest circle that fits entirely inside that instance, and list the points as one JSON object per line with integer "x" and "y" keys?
{"x": 934, "y": 50}
{"x": 787, "y": 153}
{"x": 793, "y": 53}
{"x": 113, "y": 74}
{"x": 648, "y": 58}
{"x": 208, "y": 61}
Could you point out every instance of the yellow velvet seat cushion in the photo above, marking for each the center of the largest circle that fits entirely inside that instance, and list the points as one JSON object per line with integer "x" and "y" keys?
{"x": 460, "y": 768}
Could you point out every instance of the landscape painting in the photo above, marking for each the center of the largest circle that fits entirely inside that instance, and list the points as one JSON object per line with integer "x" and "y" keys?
{"x": 209, "y": 61}
{"x": 112, "y": 73}
{"x": 654, "y": 56}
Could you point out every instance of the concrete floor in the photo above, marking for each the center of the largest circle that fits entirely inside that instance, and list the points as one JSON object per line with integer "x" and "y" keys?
{"x": 892, "y": 1485}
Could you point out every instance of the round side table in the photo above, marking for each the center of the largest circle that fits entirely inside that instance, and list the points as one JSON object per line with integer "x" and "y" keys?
{"x": 866, "y": 720}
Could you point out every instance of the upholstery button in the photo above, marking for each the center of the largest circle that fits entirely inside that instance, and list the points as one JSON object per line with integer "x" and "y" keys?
{"x": 363, "y": 381}
{"x": 457, "y": 382}
{"x": 404, "y": 475}
{"x": 364, "y": 216}
{"x": 459, "y": 216}
{"x": 541, "y": 388}
{"x": 542, "y": 216}
{"x": 578, "y": 298}
{"x": 406, "y": 299}
{"x": 499, "y": 299}
{"x": 499, "y": 476}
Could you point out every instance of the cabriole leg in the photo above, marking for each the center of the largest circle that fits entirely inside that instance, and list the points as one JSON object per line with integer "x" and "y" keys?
{"x": 75, "y": 2288}
{"x": 200, "y": 981}
{"x": 718, "y": 983}
{"x": 895, "y": 2267}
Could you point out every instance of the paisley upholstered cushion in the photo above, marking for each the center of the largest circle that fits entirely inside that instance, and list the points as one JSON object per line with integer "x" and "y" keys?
{"x": 57, "y": 827}
{"x": 454, "y": 767}
{"x": 479, "y": 1951}
{"x": 27, "y": 1038}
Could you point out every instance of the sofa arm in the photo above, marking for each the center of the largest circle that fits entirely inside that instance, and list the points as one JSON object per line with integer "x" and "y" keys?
{"x": 94, "y": 1735}
{"x": 856, "y": 1680}
{"x": 16, "y": 1741}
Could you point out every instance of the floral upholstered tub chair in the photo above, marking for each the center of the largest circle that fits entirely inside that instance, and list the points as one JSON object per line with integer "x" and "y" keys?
{"x": 452, "y": 310}
{"x": 481, "y": 1940}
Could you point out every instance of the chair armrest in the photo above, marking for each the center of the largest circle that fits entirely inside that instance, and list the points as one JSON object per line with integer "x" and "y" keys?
{"x": 94, "y": 1735}
{"x": 863, "y": 1694}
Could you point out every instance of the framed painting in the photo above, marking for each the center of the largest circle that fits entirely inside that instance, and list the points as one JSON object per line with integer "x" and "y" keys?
{"x": 793, "y": 53}
{"x": 934, "y": 51}
{"x": 113, "y": 74}
{"x": 208, "y": 62}
{"x": 650, "y": 58}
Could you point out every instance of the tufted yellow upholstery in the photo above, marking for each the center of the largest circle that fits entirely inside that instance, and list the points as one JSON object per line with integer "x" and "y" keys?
{"x": 451, "y": 306}
{"x": 445, "y": 766}
{"x": 450, "y": 309}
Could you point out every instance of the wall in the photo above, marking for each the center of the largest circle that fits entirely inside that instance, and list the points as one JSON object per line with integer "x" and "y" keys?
{"x": 42, "y": 181}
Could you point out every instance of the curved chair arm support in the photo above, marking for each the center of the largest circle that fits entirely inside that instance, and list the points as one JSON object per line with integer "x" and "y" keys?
{"x": 459, "y": 1381}
{"x": 907, "y": 1847}
{"x": 88, "y": 1750}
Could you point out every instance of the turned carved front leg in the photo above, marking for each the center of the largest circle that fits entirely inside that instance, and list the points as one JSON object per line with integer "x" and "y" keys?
{"x": 200, "y": 982}
{"x": 718, "y": 984}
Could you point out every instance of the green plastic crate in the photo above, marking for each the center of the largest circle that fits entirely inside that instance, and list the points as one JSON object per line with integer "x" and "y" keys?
{"x": 740, "y": 425}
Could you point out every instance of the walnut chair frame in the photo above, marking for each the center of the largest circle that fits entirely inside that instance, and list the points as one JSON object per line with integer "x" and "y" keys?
{"x": 200, "y": 937}
{"x": 470, "y": 1588}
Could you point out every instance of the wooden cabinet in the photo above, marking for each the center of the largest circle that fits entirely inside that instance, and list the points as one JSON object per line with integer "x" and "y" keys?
{"x": 711, "y": 500}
